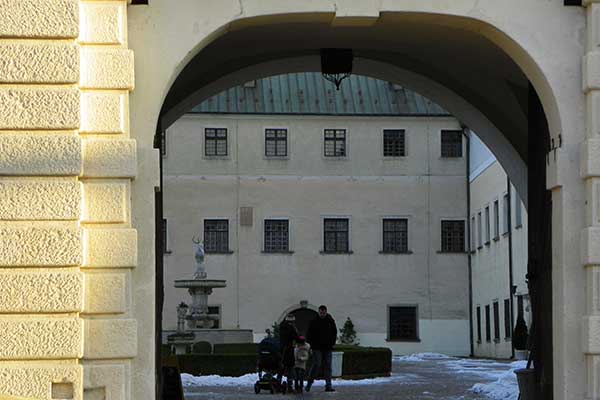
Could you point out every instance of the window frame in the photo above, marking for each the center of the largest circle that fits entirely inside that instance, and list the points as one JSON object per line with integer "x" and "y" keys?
{"x": 473, "y": 241}
{"x": 496, "y": 219}
{"x": 165, "y": 235}
{"x": 478, "y": 317}
{"x": 507, "y": 319}
{"x": 264, "y": 236}
{"x": 402, "y": 131}
{"x": 417, "y": 337}
{"x": 479, "y": 230}
{"x": 464, "y": 238}
{"x": 518, "y": 211}
{"x": 505, "y": 206}
{"x": 488, "y": 322}
{"x": 287, "y": 143}
{"x": 488, "y": 232}
{"x": 383, "y": 235}
{"x": 444, "y": 147}
{"x": 348, "y": 234}
{"x": 207, "y": 250}
{"x": 496, "y": 311}
{"x": 220, "y": 314}
{"x": 335, "y": 140}
{"x": 216, "y": 139}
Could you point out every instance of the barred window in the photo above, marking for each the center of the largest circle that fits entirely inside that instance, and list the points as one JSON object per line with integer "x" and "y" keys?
{"x": 453, "y": 236}
{"x": 335, "y": 142}
{"x": 403, "y": 323}
{"x": 216, "y": 236}
{"x": 394, "y": 143}
{"x": 276, "y": 142}
{"x": 452, "y": 144}
{"x": 276, "y": 235}
{"x": 216, "y": 311}
{"x": 488, "y": 327}
{"x": 215, "y": 142}
{"x": 496, "y": 321}
{"x": 336, "y": 235}
{"x": 507, "y": 328}
{"x": 478, "y": 324}
{"x": 395, "y": 235}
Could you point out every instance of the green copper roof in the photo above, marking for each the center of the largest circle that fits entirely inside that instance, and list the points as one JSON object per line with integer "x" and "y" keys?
{"x": 308, "y": 93}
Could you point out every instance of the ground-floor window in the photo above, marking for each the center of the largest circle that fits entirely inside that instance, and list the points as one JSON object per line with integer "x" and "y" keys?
{"x": 507, "y": 328}
{"x": 453, "y": 236}
{"x": 215, "y": 310}
{"x": 496, "y": 322}
{"x": 488, "y": 328}
{"x": 403, "y": 323}
{"x": 478, "y": 324}
{"x": 336, "y": 235}
{"x": 395, "y": 235}
{"x": 216, "y": 235}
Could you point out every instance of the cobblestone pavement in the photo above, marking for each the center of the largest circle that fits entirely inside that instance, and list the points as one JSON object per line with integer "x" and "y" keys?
{"x": 425, "y": 380}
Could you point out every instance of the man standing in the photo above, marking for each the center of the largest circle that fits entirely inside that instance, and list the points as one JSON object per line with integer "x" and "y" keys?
{"x": 322, "y": 334}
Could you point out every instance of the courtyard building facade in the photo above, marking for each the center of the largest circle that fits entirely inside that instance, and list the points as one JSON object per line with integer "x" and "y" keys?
{"x": 304, "y": 195}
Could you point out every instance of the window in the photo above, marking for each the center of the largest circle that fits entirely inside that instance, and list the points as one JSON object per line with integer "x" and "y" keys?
{"x": 496, "y": 220}
{"x": 518, "y": 215}
{"x": 453, "y": 236}
{"x": 165, "y": 236}
{"x": 276, "y": 142}
{"x": 335, "y": 142}
{"x": 487, "y": 225}
{"x": 488, "y": 328}
{"x": 336, "y": 235}
{"x": 478, "y": 324}
{"x": 505, "y": 211}
{"x": 395, "y": 235}
{"x": 451, "y": 144}
{"x": 216, "y": 236}
{"x": 507, "y": 329}
{"x": 215, "y": 310}
{"x": 394, "y": 143}
{"x": 215, "y": 142}
{"x": 479, "y": 231}
{"x": 496, "y": 322}
{"x": 473, "y": 233}
{"x": 403, "y": 323}
{"x": 276, "y": 236}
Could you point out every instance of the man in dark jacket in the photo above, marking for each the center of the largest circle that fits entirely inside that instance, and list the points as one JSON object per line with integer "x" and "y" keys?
{"x": 287, "y": 334}
{"x": 322, "y": 334}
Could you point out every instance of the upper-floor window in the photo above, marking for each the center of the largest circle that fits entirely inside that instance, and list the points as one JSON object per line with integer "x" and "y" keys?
{"x": 505, "y": 211}
{"x": 395, "y": 235}
{"x": 335, "y": 142}
{"x": 518, "y": 214}
{"x": 487, "y": 225}
{"x": 453, "y": 236}
{"x": 276, "y": 142}
{"x": 452, "y": 144}
{"x": 403, "y": 323}
{"x": 216, "y": 236}
{"x": 336, "y": 235}
{"x": 215, "y": 142}
{"x": 479, "y": 231}
{"x": 473, "y": 234}
{"x": 394, "y": 143}
{"x": 165, "y": 237}
{"x": 277, "y": 236}
{"x": 496, "y": 220}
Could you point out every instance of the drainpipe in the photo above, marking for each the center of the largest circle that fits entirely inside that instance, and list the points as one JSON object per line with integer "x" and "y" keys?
{"x": 510, "y": 267}
{"x": 466, "y": 133}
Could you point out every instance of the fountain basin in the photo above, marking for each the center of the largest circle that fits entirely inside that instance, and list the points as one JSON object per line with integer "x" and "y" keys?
{"x": 200, "y": 283}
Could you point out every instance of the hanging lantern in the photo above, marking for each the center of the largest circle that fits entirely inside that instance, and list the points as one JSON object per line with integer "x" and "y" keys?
{"x": 336, "y": 65}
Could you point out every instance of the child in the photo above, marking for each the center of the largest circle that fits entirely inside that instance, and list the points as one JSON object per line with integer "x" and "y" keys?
{"x": 301, "y": 355}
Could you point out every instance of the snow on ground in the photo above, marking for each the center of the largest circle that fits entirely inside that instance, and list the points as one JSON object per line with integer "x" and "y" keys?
{"x": 418, "y": 357}
{"x": 505, "y": 387}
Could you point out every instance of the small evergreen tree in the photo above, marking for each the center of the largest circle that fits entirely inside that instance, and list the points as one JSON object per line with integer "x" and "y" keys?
{"x": 520, "y": 334}
{"x": 347, "y": 333}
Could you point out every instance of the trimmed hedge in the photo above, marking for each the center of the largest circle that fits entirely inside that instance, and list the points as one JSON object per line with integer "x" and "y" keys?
{"x": 217, "y": 364}
{"x": 201, "y": 348}
{"x": 367, "y": 362}
{"x": 235, "y": 348}
{"x": 165, "y": 350}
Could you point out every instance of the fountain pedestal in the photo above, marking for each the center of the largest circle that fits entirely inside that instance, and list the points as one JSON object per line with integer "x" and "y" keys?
{"x": 200, "y": 289}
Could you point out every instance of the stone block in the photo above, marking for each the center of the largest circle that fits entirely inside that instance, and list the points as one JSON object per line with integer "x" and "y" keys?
{"x": 107, "y": 158}
{"x": 24, "y": 291}
{"x": 106, "y": 202}
{"x": 590, "y": 246}
{"x": 39, "y": 18}
{"x": 47, "y": 244}
{"x": 34, "y": 380}
{"x": 39, "y": 107}
{"x": 110, "y": 248}
{"x": 110, "y": 338}
{"x": 106, "y": 68}
{"x": 103, "y": 23}
{"x": 27, "y": 199}
{"x": 106, "y": 380}
{"x": 38, "y": 62}
{"x": 592, "y": 201}
{"x": 591, "y": 334}
{"x": 593, "y": 381}
{"x": 25, "y": 337}
{"x": 590, "y": 159}
{"x": 104, "y": 112}
{"x": 105, "y": 293}
{"x": 40, "y": 154}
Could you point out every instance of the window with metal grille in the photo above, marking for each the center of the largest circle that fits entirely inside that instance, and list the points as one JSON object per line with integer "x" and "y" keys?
{"x": 487, "y": 225}
{"x": 276, "y": 142}
{"x": 507, "y": 328}
{"x": 215, "y": 310}
{"x": 216, "y": 236}
{"x": 394, "y": 143}
{"x": 496, "y": 220}
{"x": 496, "y": 322}
{"x": 215, "y": 142}
{"x": 488, "y": 328}
{"x": 453, "y": 236}
{"x": 276, "y": 235}
{"x": 403, "y": 323}
{"x": 336, "y": 235}
{"x": 478, "y": 324}
{"x": 335, "y": 142}
{"x": 395, "y": 235}
{"x": 452, "y": 144}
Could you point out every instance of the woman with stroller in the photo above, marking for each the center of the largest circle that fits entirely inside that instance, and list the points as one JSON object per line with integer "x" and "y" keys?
{"x": 287, "y": 335}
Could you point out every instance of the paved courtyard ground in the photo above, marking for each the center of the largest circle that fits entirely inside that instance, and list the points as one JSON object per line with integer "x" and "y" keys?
{"x": 418, "y": 377}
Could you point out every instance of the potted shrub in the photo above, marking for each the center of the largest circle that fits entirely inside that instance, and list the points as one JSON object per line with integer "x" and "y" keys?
{"x": 525, "y": 376}
{"x": 520, "y": 337}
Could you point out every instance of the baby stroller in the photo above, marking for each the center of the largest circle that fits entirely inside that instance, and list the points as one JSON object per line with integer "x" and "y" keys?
{"x": 269, "y": 366}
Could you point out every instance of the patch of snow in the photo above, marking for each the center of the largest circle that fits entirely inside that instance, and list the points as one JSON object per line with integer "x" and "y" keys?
{"x": 418, "y": 357}
{"x": 504, "y": 387}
